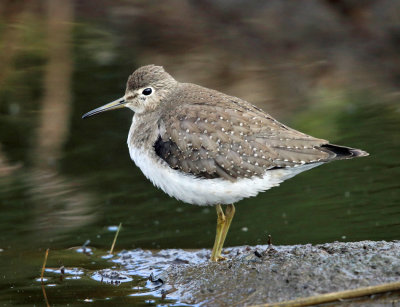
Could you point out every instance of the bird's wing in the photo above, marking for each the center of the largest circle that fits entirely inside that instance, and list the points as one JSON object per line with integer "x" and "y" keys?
{"x": 229, "y": 138}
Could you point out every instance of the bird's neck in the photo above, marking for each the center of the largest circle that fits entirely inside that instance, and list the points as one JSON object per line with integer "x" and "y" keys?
{"x": 144, "y": 130}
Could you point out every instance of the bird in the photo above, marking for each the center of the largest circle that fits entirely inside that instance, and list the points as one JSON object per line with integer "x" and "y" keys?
{"x": 207, "y": 148}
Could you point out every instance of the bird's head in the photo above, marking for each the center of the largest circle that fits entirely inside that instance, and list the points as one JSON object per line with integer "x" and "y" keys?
{"x": 145, "y": 90}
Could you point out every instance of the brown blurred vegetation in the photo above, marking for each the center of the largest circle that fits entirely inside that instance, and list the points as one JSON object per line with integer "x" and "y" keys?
{"x": 281, "y": 53}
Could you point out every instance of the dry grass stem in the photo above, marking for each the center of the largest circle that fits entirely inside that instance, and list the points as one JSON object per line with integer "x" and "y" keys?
{"x": 41, "y": 277}
{"x": 336, "y": 296}
{"x": 44, "y": 265}
{"x": 115, "y": 238}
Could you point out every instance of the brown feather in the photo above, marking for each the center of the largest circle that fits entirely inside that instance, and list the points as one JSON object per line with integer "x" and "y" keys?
{"x": 213, "y": 134}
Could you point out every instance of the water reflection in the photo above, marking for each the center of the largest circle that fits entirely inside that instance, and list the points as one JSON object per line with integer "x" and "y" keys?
{"x": 56, "y": 199}
{"x": 330, "y": 72}
{"x": 58, "y": 202}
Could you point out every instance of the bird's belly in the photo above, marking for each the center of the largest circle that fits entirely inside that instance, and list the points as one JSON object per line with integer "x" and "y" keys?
{"x": 199, "y": 191}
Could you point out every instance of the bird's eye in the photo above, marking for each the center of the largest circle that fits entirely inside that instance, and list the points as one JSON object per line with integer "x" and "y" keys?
{"x": 147, "y": 91}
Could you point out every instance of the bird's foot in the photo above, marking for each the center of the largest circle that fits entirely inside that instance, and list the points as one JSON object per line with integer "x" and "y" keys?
{"x": 221, "y": 258}
{"x": 218, "y": 259}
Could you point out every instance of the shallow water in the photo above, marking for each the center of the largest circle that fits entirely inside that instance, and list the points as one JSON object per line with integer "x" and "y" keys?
{"x": 64, "y": 181}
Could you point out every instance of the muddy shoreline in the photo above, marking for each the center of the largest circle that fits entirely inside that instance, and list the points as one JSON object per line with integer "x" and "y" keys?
{"x": 265, "y": 274}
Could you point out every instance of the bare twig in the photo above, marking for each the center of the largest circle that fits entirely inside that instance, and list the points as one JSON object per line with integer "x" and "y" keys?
{"x": 44, "y": 265}
{"x": 45, "y": 296}
{"x": 41, "y": 278}
{"x": 115, "y": 239}
{"x": 335, "y": 296}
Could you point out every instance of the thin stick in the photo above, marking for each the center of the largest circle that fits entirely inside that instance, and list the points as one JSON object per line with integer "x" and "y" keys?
{"x": 44, "y": 265}
{"x": 115, "y": 239}
{"x": 335, "y": 296}
{"x": 41, "y": 278}
{"x": 45, "y": 296}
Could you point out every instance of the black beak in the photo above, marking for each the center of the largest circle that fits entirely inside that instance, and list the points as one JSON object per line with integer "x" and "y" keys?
{"x": 116, "y": 104}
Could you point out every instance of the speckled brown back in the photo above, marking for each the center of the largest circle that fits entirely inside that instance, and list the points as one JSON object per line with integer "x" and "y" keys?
{"x": 210, "y": 134}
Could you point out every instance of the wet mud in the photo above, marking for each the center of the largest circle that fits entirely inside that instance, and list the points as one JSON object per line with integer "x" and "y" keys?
{"x": 266, "y": 273}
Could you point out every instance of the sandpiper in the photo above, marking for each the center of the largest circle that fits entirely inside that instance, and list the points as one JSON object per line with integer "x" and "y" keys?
{"x": 204, "y": 147}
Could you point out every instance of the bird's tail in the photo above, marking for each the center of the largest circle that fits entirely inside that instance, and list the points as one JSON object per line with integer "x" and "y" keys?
{"x": 338, "y": 152}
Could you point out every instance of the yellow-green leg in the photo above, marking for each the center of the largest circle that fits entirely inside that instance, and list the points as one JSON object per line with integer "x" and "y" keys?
{"x": 218, "y": 235}
{"x": 229, "y": 213}
{"x": 223, "y": 223}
